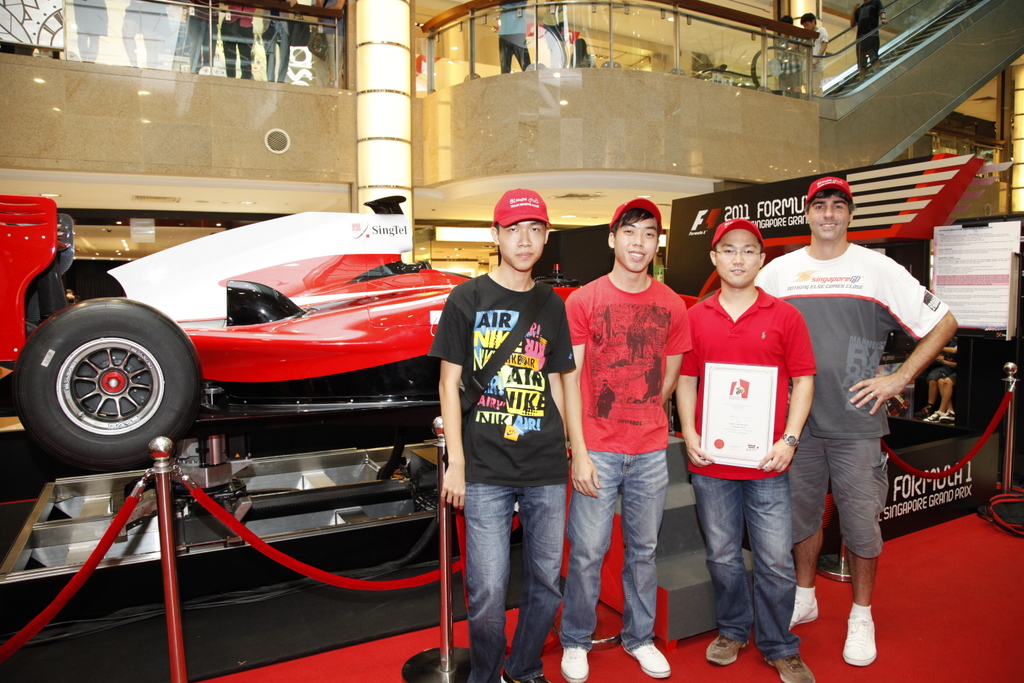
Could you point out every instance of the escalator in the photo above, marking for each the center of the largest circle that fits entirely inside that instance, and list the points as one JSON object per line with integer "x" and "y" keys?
{"x": 935, "y": 54}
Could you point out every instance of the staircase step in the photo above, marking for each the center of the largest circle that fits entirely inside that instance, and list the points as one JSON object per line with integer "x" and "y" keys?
{"x": 686, "y": 598}
{"x": 680, "y": 530}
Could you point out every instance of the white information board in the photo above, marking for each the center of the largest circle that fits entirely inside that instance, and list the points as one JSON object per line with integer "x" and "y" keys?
{"x": 975, "y": 273}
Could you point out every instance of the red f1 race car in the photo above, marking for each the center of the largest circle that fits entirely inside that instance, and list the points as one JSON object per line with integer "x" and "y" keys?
{"x": 300, "y": 314}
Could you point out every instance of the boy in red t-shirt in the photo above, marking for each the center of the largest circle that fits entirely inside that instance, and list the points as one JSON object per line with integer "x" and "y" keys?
{"x": 628, "y": 335}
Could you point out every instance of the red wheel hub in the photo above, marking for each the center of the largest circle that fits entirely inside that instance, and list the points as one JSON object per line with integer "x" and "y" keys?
{"x": 113, "y": 382}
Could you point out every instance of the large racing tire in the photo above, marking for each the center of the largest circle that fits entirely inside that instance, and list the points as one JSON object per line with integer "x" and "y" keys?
{"x": 98, "y": 381}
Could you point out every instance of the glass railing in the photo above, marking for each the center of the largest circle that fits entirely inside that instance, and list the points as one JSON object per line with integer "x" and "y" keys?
{"x": 528, "y": 35}
{"x": 904, "y": 19}
{"x": 232, "y": 41}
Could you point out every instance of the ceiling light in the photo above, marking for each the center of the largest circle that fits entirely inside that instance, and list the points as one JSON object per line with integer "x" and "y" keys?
{"x": 143, "y": 92}
{"x": 155, "y": 199}
{"x": 247, "y": 203}
{"x": 51, "y": 196}
{"x": 38, "y": 80}
{"x": 580, "y": 195}
{"x": 643, "y": 196}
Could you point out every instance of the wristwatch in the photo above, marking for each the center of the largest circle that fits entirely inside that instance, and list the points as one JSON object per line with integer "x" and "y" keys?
{"x": 790, "y": 440}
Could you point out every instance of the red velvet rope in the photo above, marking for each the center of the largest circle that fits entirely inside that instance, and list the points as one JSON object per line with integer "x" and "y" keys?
{"x": 43, "y": 618}
{"x": 967, "y": 458}
{"x": 236, "y": 527}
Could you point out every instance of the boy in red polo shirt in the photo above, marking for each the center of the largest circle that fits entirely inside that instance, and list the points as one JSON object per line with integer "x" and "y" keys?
{"x": 740, "y": 324}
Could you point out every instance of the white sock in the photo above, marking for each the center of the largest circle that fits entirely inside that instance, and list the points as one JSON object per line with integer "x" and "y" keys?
{"x": 860, "y": 612}
{"x": 805, "y": 594}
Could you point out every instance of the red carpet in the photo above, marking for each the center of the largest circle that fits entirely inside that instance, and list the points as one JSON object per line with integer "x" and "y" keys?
{"x": 948, "y": 607}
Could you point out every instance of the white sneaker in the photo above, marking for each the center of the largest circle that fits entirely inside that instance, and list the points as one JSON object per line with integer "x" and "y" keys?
{"x": 574, "y": 665}
{"x": 860, "y": 642}
{"x": 935, "y": 417}
{"x": 803, "y": 612}
{"x": 651, "y": 661}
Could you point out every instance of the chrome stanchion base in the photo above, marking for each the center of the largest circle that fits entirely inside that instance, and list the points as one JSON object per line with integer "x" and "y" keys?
{"x": 609, "y": 627}
{"x": 426, "y": 667}
{"x": 834, "y": 567}
{"x": 606, "y": 635}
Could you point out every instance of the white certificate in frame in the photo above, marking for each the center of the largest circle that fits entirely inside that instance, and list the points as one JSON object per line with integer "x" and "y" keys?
{"x": 739, "y": 412}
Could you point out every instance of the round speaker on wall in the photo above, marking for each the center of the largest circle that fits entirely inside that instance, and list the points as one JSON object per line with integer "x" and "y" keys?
{"x": 277, "y": 141}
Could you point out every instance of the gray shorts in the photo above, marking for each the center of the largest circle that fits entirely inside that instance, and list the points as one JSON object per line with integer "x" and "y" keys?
{"x": 860, "y": 484}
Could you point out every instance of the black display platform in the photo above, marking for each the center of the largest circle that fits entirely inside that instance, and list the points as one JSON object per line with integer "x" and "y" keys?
{"x": 222, "y": 639}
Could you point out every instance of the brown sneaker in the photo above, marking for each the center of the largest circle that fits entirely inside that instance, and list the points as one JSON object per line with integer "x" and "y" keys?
{"x": 723, "y": 651}
{"x": 792, "y": 669}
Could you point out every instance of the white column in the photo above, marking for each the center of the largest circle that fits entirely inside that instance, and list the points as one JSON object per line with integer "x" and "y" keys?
{"x": 383, "y": 101}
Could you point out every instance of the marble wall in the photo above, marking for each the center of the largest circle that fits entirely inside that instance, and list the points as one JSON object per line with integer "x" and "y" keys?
{"x": 584, "y": 119}
{"x": 70, "y": 116}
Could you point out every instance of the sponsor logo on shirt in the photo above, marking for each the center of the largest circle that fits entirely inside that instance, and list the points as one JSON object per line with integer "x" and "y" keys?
{"x": 809, "y": 276}
{"x": 811, "y": 280}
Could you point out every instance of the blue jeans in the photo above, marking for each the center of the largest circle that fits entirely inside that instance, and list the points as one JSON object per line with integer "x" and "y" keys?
{"x": 723, "y": 505}
{"x": 488, "y": 522}
{"x": 198, "y": 29}
{"x": 516, "y": 46}
{"x": 277, "y": 47}
{"x": 644, "y": 480}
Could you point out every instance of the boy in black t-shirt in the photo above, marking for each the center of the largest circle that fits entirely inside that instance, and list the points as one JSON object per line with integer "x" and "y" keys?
{"x": 511, "y": 446}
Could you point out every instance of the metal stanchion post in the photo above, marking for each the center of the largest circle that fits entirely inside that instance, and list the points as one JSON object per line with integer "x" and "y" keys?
{"x": 1008, "y": 446}
{"x": 447, "y": 664}
{"x": 835, "y": 567}
{"x": 160, "y": 449}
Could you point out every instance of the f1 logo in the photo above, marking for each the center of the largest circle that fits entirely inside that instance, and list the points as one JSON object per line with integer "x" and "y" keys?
{"x": 698, "y": 220}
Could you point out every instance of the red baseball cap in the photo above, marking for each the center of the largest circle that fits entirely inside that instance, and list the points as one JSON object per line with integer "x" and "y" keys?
{"x": 637, "y": 203}
{"x": 829, "y": 183}
{"x": 520, "y": 205}
{"x": 736, "y": 224}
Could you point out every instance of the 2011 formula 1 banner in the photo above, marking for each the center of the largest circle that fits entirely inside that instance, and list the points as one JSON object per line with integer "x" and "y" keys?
{"x": 900, "y": 201}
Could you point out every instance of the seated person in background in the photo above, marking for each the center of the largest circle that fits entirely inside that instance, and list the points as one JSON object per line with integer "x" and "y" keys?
{"x": 945, "y": 414}
{"x": 943, "y": 367}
